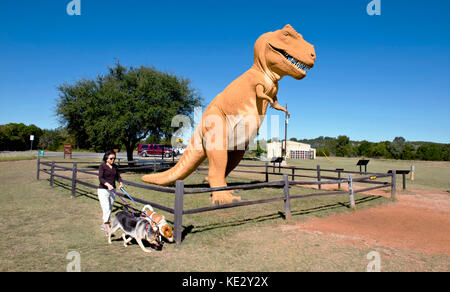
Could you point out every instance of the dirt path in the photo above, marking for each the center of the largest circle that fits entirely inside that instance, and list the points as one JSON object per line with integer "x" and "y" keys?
{"x": 419, "y": 220}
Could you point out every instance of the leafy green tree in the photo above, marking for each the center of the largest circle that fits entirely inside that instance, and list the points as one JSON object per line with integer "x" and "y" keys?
{"x": 363, "y": 149}
{"x": 124, "y": 107}
{"x": 53, "y": 139}
{"x": 408, "y": 152}
{"x": 446, "y": 152}
{"x": 16, "y": 136}
{"x": 322, "y": 152}
{"x": 396, "y": 147}
{"x": 429, "y": 152}
{"x": 343, "y": 146}
{"x": 379, "y": 150}
{"x": 399, "y": 140}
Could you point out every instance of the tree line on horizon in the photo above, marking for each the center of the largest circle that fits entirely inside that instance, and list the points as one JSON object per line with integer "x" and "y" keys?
{"x": 398, "y": 148}
{"x": 16, "y": 137}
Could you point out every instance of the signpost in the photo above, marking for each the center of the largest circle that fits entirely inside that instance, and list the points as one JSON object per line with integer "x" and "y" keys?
{"x": 277, "y": 160}
{"x": 403, "y": 173}
{"x": 68, "y": 150}
{"x": 362, "y": 162}
{"x": 31, "y": 139}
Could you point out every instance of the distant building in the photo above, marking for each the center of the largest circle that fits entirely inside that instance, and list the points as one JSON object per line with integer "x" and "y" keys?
{"x": 295, "y": 150}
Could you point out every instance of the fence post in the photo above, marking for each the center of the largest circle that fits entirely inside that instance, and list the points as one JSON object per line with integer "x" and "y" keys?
{"x": 74, "y": 178}
{"x": 350, "y": 191}
{"x": 293, "y": 173}
{"x": 52, "y": 171}
{"x": 393, "y": 183}
{"x": 287, "y": 202}
{"x": 178, "y": 211}
{"x": 318, "y": 176}
{"x": 267, "y": 172}
{"x": 339, "y": 178}
{"x": 404, "y": 180}
{"x": 38, "y": 167}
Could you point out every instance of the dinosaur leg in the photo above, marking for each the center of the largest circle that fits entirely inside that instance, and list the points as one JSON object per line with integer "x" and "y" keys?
{"x": 214, "y": 133}
{"x": 216, "y": 176}
{"x": 234, "y": 157}
{"x": 215, "y": 141}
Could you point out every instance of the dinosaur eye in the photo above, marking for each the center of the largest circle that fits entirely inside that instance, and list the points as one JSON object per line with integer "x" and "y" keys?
{"x": 286, "y": 33}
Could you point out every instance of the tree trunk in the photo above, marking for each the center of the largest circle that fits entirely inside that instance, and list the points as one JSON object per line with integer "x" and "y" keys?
{"x": 130, "y": 149}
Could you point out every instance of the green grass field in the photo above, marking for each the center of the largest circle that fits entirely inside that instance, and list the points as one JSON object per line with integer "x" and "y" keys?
{"x": 16, "y": 157}
{"x": 42, "y": 224}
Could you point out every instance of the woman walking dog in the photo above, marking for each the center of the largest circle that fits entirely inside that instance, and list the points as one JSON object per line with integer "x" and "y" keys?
{"x": 108, "y": 174}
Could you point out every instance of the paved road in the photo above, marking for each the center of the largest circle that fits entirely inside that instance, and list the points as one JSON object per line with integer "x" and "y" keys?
{"x": 121, "y": 155}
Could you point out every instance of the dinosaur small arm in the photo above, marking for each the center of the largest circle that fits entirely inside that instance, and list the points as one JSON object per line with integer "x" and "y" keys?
{"x": 243, "y": 102}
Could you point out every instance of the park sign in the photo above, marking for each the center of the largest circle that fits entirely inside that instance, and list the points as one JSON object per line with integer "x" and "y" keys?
{"x": 67, "y": 150}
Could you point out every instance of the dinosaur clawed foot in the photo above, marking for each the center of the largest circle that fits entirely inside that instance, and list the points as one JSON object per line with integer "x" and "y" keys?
{"x": 224, "y": 197}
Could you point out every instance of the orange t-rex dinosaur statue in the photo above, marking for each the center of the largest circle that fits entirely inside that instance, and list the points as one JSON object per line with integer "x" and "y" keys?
{"x": 242, "y": 105}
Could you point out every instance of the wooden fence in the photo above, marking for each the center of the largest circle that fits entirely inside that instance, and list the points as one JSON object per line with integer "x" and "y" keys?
{"x": 180, "y": 191}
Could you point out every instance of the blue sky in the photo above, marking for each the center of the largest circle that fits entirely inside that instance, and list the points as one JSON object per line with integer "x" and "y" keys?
{"x": 375, "y": 77}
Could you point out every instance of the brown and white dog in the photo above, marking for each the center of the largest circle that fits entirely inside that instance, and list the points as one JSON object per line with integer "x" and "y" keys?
{"x": 136, "y": 228}
{"x": 158, "y": 222}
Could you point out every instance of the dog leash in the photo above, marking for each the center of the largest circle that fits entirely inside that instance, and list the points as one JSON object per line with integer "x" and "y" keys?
{"x": 128, "y": 195}
{"x": 124, "y": 202}
{"x": 131, "y": 198}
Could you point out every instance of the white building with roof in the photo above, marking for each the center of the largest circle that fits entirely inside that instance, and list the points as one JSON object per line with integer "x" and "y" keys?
{"x": 294, "y": 150}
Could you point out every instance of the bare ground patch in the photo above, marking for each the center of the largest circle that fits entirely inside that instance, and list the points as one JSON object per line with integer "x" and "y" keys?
{"x": 415, "y": 222}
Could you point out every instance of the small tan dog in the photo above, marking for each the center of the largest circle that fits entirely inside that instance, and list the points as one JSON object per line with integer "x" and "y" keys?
{"x": 158, "y": 222}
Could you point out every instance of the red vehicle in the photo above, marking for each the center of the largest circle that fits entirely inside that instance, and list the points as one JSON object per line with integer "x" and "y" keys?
{"x": 145, "y": 150}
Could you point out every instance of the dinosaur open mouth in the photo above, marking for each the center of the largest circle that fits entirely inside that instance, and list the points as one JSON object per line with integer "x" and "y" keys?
{"x": 299, "y": 65}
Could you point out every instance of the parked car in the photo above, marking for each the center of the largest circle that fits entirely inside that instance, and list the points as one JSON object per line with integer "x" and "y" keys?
{"x": 145, "y": 150}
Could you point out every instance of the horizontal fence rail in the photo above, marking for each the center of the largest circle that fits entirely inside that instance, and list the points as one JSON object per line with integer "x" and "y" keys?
{"x": 180, "y": 190}
{"x": 145, "y": 202}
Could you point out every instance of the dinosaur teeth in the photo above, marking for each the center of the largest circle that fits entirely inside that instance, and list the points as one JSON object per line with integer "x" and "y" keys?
{"x": 298, "y": 64}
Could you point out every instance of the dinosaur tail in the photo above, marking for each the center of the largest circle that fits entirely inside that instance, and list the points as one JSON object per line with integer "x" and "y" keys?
{"x": 189, "y": 161}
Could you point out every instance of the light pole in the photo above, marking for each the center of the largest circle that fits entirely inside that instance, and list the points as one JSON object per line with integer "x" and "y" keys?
{"x": 286, "y": 121}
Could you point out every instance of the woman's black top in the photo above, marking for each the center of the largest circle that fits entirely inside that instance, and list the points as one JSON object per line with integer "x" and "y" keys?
{"x": 108, "y": 175}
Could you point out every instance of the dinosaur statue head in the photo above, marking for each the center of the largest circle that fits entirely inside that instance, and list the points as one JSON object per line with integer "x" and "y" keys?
{"x": 284, "y": 52}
